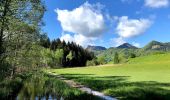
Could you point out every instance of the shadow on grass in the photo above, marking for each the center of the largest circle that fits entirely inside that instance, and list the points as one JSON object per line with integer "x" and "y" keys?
{"x": 121, "y": 88}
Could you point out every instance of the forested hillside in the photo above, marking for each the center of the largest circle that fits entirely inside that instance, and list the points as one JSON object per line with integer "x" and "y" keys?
{"x": 126, "y": 51}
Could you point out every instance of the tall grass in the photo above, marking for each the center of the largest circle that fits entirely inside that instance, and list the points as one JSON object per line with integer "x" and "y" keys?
{"x": 38, "y": 85}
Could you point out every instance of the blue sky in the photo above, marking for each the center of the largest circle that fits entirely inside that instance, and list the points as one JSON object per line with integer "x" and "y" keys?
{"x": 108, "y": 23}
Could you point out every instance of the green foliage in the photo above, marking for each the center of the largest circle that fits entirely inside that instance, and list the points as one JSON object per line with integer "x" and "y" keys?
{"x": 151, "y": 48}
{"x": 124, "y": 54}
{"x": 132, "y": 55}
{"x": 101, "y": 60}
{"x": 52, "y": 58}
{"x": 19, "y": 31}
{"x": 73, "y": 54}
{"x": 9, "y": 87}
{"x": 69, "y": 56}
{"x": 59, "y": 56}
{"x": 44, "y": 40}
{"x": 116, "y": 58}
{"x": 39, "y": 85}
{"x": 92, "y": 62}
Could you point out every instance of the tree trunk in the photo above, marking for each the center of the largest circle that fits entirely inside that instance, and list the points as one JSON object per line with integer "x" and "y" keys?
{"x": 3, "y": 21}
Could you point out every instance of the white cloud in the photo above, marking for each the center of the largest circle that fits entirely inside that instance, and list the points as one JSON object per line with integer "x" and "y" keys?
{"x": 118, "y": 41}
{"x": 156, "y": 3}
{"x": 136, "y": 44}
{"x": 79, "y": 39}
{"x": 67, "y": 38}
{"x": 86, "y": 20}
{"x": 127, "y": 28}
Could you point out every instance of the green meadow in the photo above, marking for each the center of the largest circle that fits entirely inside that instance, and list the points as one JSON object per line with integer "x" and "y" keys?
{"x": 84, "y": 50}
{"x": 141, "y": 78}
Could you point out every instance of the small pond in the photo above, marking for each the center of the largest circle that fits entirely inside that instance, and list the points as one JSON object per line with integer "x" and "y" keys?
{"x": 45, "y": 87}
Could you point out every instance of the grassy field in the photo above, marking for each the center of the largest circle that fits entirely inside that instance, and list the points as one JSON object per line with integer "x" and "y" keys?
{"x": 142, "y": 78}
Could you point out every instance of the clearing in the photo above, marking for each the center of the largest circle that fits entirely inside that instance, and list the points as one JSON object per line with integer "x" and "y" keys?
{"x": 142, "y": 78}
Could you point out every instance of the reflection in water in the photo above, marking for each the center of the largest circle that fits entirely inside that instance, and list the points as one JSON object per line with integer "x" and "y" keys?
{"x": 45, "y": 87}
{"x": 39, "y": 88}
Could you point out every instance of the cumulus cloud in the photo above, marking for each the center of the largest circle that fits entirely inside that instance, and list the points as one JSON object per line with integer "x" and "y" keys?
{"x": 87, "y": 23}
{"x": 127, "y": 28}
{"x": 67, "y": 38}
{"x": 156, "y": 3}
{"x": 86, "y": 20}
{"x": 78, "y": 38}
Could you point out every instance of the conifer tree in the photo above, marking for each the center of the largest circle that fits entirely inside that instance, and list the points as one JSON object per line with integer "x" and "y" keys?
{"x": 116, "y": 58}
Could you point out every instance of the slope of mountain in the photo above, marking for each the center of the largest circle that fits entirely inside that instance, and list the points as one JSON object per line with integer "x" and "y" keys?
{"x": 127, "y": 46}
{"x": 95, "y": 48}
{"x": 126, "y": 49}
{"x": 159, "y": 46}
{"x": 124, "y": 53}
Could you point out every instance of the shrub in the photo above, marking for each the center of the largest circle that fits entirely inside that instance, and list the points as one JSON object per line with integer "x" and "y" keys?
{"x": 93, "y": 62}
{"x": 132, "y": 55}
{"x": 101, "y": 60}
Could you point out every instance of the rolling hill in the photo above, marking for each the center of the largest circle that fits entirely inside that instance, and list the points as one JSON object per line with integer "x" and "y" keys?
{"x": 155, "y": 45}
{"x": 126, "y": 49}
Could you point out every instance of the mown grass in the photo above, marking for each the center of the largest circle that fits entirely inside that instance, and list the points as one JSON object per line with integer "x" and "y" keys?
{"x": 142, "y": 78}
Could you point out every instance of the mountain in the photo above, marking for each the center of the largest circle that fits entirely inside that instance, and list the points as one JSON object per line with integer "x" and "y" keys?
{"x": 126, "y": 49}
{"x": 95, "y": 48}
{"x": 126, "y": 46}
{"x": 159, "y": 46}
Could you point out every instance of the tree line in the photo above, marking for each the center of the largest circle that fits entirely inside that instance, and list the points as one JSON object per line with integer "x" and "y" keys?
{"x": 71, "y": 54}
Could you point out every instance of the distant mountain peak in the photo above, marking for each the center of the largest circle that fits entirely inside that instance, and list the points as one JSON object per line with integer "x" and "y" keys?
{"x": 94, "y": 48}
{"x": 154, "y": 42}
{"x": 127, "y": 46}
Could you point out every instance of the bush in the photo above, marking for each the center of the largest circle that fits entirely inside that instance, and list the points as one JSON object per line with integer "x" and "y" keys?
{"x": 132, "y": 55}
{"x": 101, "y": 60}
{"x": 93, "y": 62}
{"x": 52, "y": 58}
